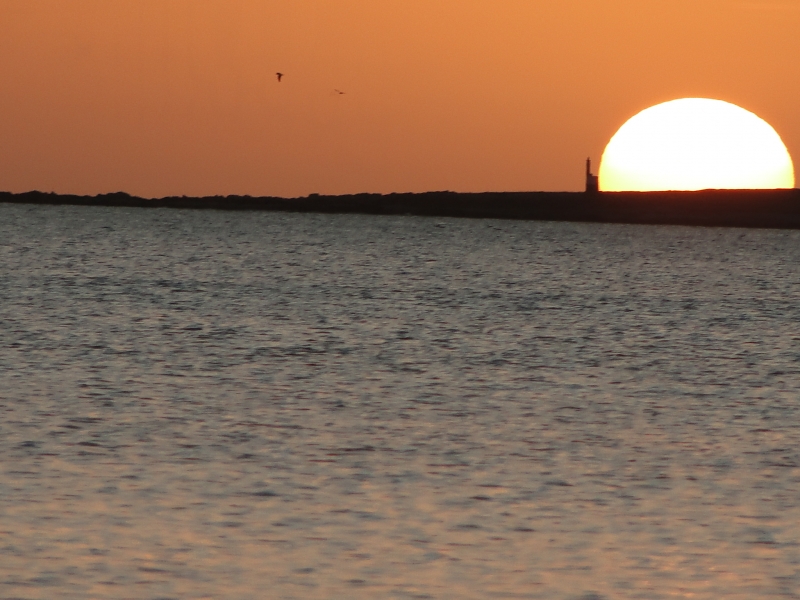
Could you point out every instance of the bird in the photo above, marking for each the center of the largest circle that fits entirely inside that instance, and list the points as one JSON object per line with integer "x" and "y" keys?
{"x": 339, "y": 92}
{"x": 280, "y": 76}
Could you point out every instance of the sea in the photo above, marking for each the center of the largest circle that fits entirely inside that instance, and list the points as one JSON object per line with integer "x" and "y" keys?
{"x": 247, "y": 405}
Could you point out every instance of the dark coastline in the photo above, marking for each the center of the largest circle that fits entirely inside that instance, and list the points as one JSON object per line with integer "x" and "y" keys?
{"x": 712, "y": 208}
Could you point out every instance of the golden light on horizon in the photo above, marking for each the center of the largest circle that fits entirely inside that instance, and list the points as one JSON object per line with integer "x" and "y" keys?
{"x": 695, "y": 144}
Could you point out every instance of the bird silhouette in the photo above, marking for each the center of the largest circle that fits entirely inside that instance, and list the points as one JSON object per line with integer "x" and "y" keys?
{"x": 339, "y": 92}
{"x": 280, "y": 76}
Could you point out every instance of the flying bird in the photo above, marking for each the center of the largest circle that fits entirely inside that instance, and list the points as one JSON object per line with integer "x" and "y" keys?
{"x": 280, "y": 76}
{"x": 339, "y": 92}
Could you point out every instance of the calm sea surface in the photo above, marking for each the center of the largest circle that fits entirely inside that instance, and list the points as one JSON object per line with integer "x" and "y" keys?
{"x": 264, "y": 405}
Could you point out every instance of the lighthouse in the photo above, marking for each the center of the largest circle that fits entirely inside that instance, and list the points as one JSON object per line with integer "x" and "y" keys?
{"x": 592, "y": 185}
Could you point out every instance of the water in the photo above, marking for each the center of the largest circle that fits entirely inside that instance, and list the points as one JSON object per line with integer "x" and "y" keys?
{"x": 255, "y": 405}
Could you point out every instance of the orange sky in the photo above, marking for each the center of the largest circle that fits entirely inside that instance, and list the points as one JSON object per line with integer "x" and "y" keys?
{"x": 162, "y": 97}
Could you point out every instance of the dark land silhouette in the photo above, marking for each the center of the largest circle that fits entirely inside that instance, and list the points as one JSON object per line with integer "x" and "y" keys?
{"x": 716, "y": 208}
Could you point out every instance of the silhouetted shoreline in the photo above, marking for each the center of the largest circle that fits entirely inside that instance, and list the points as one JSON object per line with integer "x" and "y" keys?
{"x": 715, "y": 208}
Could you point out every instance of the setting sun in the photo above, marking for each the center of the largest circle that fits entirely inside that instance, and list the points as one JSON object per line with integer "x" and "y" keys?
{"x": 695, "y": 144}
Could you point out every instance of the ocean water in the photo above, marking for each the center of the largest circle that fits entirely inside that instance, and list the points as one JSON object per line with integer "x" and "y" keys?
{"x": 265, "y": 405}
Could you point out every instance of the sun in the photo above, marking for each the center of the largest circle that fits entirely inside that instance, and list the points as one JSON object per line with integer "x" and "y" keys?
{"x": 695, "y": 144}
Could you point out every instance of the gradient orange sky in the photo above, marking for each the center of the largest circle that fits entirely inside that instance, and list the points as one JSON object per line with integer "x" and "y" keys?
{"x": 174, "y": 97}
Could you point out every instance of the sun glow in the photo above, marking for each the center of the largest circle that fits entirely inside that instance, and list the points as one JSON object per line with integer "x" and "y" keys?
{"x": 695, "y": 144}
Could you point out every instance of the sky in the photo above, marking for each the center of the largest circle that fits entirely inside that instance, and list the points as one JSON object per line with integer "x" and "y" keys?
{"x": 180, "y": 97}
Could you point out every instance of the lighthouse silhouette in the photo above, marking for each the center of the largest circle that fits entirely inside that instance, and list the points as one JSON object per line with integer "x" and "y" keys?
{"x": 592, "y": 183}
